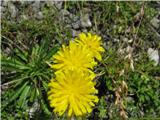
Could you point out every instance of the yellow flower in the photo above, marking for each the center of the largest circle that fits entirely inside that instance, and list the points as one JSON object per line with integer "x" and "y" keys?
{"x": 73, "y": 57}
{"x": 73, "y": 92}
{"x": 93, "y": 43}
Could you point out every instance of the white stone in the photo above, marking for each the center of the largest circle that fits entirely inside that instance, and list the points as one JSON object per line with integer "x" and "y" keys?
{"x": 153, "y": 55}
{"x": 85, "y": 21}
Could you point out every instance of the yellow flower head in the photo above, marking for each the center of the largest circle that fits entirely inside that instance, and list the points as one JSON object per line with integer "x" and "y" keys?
{"x": 93, "y": 43}
{"x": 73, "y": 57}
{"x": 73, "y": 92}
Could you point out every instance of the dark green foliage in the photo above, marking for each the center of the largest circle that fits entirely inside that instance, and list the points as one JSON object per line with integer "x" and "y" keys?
{"x": 27, "y": 77}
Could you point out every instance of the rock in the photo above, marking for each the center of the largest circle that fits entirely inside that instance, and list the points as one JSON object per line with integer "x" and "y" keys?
{"x": 58, "y": 4}
{"x": 12, "y": 9}
{"x": 76, "y": 25}
{"x": 84, "y": 30}
{"x": 7, "y": 51}
{"x": 25, "y": 3}
{"x": 116, "y": 40}
{"x": 33, "y": 109}
{"x": 85, "y": 21}
{"x": 2, "y": 11}
{"x": 64, "y": 16}
{"x": 75, "y": 33}
{"x": 64, "y": 12}
{"x": 153, "y": 55}
{"x": 37, "y": 3}
{"x": 130, "y": 99}
{"x": 4, "y": 3}
{"x": 155, "y": 22}
{"x": 24, "y": 17}
{"x": 50, "y": 3}
{"x": 74, "y": 18}
{"x": 39, "y": 15}
{"x": 36, "y": 6}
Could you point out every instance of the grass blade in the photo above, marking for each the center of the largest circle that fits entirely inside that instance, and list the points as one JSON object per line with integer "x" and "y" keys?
{"x": 16, "y": 94}
{"x": 23, "y": 96}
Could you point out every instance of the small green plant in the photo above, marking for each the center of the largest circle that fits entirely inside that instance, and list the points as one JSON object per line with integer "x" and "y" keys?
{"x": 102, "y": 109}
{"x": 135, "y": 91}
{"x": 27, "y": 77}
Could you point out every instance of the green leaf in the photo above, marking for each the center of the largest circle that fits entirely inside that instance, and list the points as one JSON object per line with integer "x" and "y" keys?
{"x": 23, "y": 96}
{"x": 43, "y": 48}
{"x": 13, "y": 65}
{"x": 142, "y": 98}
{"x": 18, "y": 80}
{"x": 45, "y": 108}
{"x": 21, "y": 54}
{"x": 45, "y": 85}
{"x": 33, "y": 95}
{"x": 16, "y": 94}
{"x": 38, "y": 93}
{"x": 52, "y": 52}
{"x": 34, "y": 54}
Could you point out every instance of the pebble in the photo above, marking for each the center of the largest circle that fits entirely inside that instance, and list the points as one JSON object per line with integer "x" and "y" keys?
{"x": 76, "y": 25}
{"x": 153, "y": 55}
{"x": 85, "y": 21}
{"x": 2, "y": 9}
{"x": 75, "y": 33}
{"x": 75, "y": 18}
{"x": 155, "y": 22}
{"x": 36, "y": 6}
{"x": 58, "y": 4}
{"x": 12, "y": 9}
{"x": 33, "y": 109}
{"x": 39, "y": 15}
{"x": 24, "y": 17}
{"x": 4, "y": 3}
{"x": 50, "y": 3}
{"x": 64, "y": 12}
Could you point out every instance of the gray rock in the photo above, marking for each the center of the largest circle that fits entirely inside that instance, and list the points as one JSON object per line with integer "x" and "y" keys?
{"x": 36, "y": 6}
{"x": 2, "y": 9}
{"x": 64, "y": 16}
{"x": 64, "y": 12}
{"x": 58, "y": 4}
{"x": 4, "y": 3}
{"x": 155, "y": 22}
{"x": 33, "y": 109}
{"x": 39, "y": 15}
{"x": 153, "y": 55}
{"x": 84, "y": 30}
{"x": 76, "y": 25}
{"x": 12, "y": 9}
{"x": 7, "y": 51}
{"x": 23, "y": 2}
{"x": 24, "y": 17}
{"x": 116, "y": 40}
{"x": 50, "y": 3}
{"x": 85, "y": 21}
{"x": 75, "y": 33}
{"x": 130, "y": 99}
{"x": 37, "y": 3}
{"x": 74, "y": 18}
